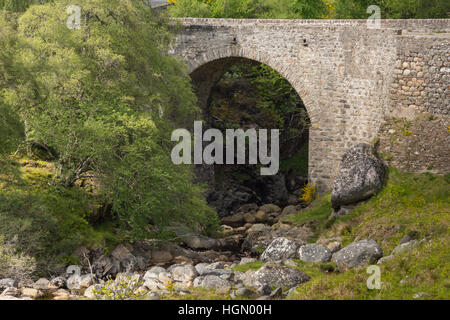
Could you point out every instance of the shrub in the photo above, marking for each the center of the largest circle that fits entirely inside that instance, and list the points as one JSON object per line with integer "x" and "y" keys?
{"x": 309, "y": 193}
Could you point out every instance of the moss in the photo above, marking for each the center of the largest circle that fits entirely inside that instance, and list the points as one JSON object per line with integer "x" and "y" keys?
{"x": 249, "y": 266}
{"x": 43, "y": 222}
{"x": 416, "y": 205}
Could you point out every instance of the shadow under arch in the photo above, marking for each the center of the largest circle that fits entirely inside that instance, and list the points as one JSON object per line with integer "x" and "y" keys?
{"x": 207, "y": 72}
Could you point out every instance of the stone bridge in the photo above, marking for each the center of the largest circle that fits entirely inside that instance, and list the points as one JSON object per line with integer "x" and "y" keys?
{"x": 348, "y": 75}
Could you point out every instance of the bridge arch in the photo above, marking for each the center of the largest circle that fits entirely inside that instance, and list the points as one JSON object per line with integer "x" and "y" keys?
{"x": 211, "y": 65}
{"x": 340, "y": 69}
{"x": 207, "y": 70}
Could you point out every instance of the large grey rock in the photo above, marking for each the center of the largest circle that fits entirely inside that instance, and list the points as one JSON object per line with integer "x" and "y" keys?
{"x": 212, "y": 282}
{"x": 11, "y": 291}
{"x": 196, "y": 241}
{"x": 42, "y": 284}
{"x": 357, "y": 254}
{"x": 279, "y": 276}
{"x": 361, "y": 174}
{"x": 314, "y": 253}
{"x": 279, "y": 249}
{"x": 154, "y": 272}
{"x": 184, "y": 273}
{"x": 57, "y": 283}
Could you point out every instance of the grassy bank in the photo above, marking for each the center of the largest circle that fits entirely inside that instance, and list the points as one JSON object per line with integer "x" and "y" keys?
{"x": 417, "y": 205}
{"x": 41, "y": 224}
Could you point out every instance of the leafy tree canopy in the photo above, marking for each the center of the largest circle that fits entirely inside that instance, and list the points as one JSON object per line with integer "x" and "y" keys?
{"x": 104, "y": 99}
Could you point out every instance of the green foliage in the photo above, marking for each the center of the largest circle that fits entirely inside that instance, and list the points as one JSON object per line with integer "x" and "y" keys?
{"x": 105, "y": 97}
{"x": 124, "y": 288}
{"x": 276, "y": 9}
{"x": 393, "y": 9}
{"x": 410, "y": 204}
{"x": 40, "y": 225}
{"x": 310, "y": 9}
{"x": 11, "y": 127}
{"x": 19, "y": 5}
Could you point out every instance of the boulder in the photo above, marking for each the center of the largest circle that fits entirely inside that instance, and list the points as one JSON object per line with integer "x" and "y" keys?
{"x": 314, "y": 253}
{"x": 361, "y": 174}
{"x": 161, "y": 256}
{"x": 261, "y": 216}
{"x": 154, "y": 273}
{"x": 334, "y": 246}
{"x": 57, "y": 283}
{"x": 269, "y": 208}
{"x": 357, "y": 254}
{"x": 154, "y": 285}
{"x": 279, "y": 276}
{"x": 279, "y": 249}
{"x": 212, "y": 282}
{"x": 235, "y": 221}
{"x": 41, "y": 284}
{"x": 249, "y": 217}
{"x": 122, "y": 254}
{"x": 248, "y": 207}
{"x": 196, "y": 241}
{"x": 184, "y": 273}
{"x": 32, "y": 293}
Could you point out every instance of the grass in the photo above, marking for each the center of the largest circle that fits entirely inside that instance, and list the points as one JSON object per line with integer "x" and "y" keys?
{"x": 315, "y": 216}
{"x": 417, "y": 205}
{"x": 249, "y": 266}
{"x": 41, "y": 224}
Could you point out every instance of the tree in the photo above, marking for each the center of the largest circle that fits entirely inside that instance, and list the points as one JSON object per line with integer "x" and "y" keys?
{"x": 393, "y": 9}
{"x": 276, "y": 9}
{"x": 106, "y": 97}
{"x": 11, "y": 126}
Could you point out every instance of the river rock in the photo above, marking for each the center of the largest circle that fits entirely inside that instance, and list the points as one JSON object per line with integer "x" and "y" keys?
{"x": 32, "y": 293}
{"x": 212, "y": 282}
{"x": 270, "y": 208}
{"x": 11, "y": 291}
{"x": 357, "y": 254}
{"x": 153, "y": 273}
{"x": 7, "y": 283}
{"x": 183, "y": 273}
{"x": 235, "y": 220}
{"x": 314, "y": 253}
{"x": 279, "y": 249}
{"x": 361, "y": 174}
{"x": 57, "y": 283}
{"x": 41, "y": 284}
{"x": 279, "y": 276}
{"x": 196, "y": 241}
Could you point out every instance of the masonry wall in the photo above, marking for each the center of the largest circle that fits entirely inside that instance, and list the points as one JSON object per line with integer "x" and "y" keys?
{"x": 342, "y": 70}
{"x": 421, "y": 78}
